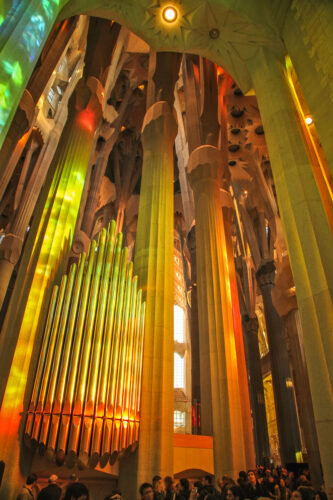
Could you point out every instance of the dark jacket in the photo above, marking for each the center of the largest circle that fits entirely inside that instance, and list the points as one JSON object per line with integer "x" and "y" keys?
{"x": 51, "y": 492}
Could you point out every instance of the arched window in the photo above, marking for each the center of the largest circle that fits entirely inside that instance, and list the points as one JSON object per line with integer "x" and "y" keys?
{"x": 179, "y": 372}
{"x": 178, "y": 324}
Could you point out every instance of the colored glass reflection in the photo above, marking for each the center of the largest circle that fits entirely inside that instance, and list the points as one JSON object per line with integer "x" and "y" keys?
{"x": 20, "y": 53}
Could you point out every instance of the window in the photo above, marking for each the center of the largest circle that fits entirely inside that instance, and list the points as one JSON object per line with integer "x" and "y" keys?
{"x": 178, "y": 419}
{"x": 178, "y": 324}
{"x": 178, "y": 372}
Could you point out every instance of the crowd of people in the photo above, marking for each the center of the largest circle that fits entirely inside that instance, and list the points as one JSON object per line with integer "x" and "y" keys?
{"x": 274, "y": 484}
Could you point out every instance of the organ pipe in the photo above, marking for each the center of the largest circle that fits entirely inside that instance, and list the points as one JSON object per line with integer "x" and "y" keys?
{"x": 85, "y": 402}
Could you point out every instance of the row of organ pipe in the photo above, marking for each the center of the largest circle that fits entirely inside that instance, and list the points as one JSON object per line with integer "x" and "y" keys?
{"x": 85, "y": 403}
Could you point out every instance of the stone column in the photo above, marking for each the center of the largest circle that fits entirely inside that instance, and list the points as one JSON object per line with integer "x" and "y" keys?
{"x": 286, "y": 415}
{"x": 251, "y": 326}
{"x": 227, "y": 210}
{"x": 308, "y": 237}
{"x": 303, "y": 394}
{"x": 308, "y": 39}
{"x": 195, "y": 348}
{"x": 153, "y": 264}
{"x": 220, "y": 398}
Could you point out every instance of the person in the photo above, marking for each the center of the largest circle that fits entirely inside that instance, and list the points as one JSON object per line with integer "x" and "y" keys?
{"x": 253, "y": 488}
{"x": 146, "y": 491}
{"x": 302, "y": 494}
{"x": 234, "y": 492}
{"x": 242, "y": 479}
{"x": 76, "y": 491}
{"x": 52, "y": 491}
{"x": 28, "y": 490}
{"x": 268, "y": 484}
{"x": 281, "y": 492}
{"x": 224, "y": 483}
{"x": 169, "y": 490}
{"x": 158, "y": 488}
{"x": 185, "y": 488}
{"x": 207, "y": 482}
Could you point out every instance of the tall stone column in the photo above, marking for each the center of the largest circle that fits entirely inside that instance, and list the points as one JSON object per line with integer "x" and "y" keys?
{"x": 220, "y": 398}
{"x": 303, "y": 395}
{"x": 307, "y": 36}
{"x": 308, "y": 237}
{"x": 251, "y": 327}
{"x": 227, "y": 210}
{"x": 153, "y": 264}
{"x": 195, "y": 348}
{"x": 286, "y": 415}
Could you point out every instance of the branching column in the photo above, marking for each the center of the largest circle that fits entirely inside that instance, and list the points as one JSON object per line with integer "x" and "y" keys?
{"x": 283, "y": 392}
{"x": 220, "y": 398}
{"x": 251, "y": 327}
{"x": 154, "y": 266}
{"x": 227, "y": 210}
{"x": 303, "y": 395}
{"x": 308, "y": 237}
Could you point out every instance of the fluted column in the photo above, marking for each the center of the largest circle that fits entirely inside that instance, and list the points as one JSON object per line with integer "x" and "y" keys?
{"x": 286, "y": 415}
{"x": 52, "y": 237}
{"x": 303, "y": 395}
{"x": 195, "y": 348}
{"x": 220, "y": 397}
{"x": 153, "y": 264}
{"x": 227, "y": 210}
{"x": 251, "y": 326}
{"x": 308, "y": 237}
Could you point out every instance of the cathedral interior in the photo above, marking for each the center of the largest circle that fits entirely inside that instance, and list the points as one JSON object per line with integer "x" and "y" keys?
{"x": 166, "y": 250}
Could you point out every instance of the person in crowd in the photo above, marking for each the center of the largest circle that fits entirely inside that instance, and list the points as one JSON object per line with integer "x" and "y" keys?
{"x": 242, "y": 480}
{"x": 253, "y": 489}
{"x": 185, "y": 488}
{"x": 281, "y": 492}
{"x": 76, "y": 491}
{"x": 268, "y": 484}
{"x": 28, "y": 491}
{"x": 224, "y": 483}
{"x": 291, "y": 482}
{"x": 169, "y": 490}
{"x": 52, "y": 491}
{"x": 305, "y": 487}
{"x": 207, "y": 482}
{"x": 146, "y": 491}
{"x": 158, "y": 488}
{"x": 234, "y": 492}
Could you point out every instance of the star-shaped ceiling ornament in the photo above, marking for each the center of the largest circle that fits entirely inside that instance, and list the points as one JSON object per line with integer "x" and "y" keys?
{"x": 169, "y": 35}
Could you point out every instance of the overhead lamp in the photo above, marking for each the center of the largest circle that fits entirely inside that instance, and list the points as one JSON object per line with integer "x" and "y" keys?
{"x": 308, "y": 120}
{"x": 169, "y": 14}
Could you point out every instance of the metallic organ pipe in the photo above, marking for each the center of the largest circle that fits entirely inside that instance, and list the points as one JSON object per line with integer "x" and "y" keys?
{"x": 85, "y": 400}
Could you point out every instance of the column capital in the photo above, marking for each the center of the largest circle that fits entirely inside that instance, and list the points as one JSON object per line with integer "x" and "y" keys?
{"x": 251, "y": 324}
{"x": 10, "y": 248}
{"x": 159, "y": 125}
{"x": 205, "y": 163}
{"x": 227, "y": 204}
{"x": 266, "y": 274}
{"x": 89, "y": 96}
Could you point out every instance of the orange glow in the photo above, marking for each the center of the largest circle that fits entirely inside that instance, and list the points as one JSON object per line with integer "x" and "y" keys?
{"x": 86, "y": 120}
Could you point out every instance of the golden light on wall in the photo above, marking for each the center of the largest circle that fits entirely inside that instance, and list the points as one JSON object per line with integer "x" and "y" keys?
{"x": 85, "y": 404}
{"x": 169, "y": 14}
